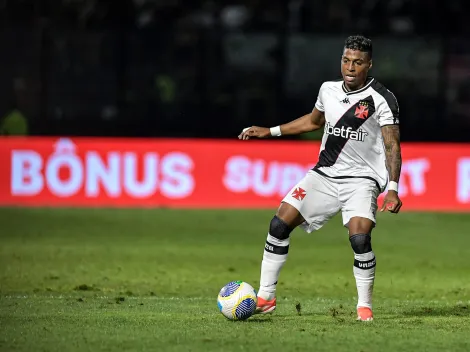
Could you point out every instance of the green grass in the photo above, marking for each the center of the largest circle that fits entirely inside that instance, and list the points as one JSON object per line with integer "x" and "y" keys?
{"x": 147, "y": 280}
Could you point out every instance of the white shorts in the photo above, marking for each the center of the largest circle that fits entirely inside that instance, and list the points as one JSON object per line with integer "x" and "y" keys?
{"x": 318, "y": 198}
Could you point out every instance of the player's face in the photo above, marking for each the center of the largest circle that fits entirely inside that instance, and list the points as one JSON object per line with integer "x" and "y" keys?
{"x": 355, "y": 66}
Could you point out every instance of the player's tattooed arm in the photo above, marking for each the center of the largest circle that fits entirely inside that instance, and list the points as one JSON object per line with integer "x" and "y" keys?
{"x": 391, "y": 137}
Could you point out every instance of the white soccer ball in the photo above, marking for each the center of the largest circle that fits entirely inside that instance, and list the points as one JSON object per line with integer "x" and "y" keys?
{"x": 237, "y": 300}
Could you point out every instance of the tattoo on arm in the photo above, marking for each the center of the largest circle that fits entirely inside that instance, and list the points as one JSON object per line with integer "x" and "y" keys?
{"x": 391, "y": 137}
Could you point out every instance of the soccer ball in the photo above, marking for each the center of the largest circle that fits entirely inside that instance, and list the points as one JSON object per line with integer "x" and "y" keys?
{"x": 237, "y": 300}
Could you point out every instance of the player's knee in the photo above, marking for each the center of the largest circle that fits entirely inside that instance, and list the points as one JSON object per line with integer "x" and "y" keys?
{"x": 361, "y": 243}
{"x": 279, "y": 229}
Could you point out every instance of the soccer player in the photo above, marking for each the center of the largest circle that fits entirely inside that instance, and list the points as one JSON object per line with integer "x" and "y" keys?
{"x": 359, "y": 156}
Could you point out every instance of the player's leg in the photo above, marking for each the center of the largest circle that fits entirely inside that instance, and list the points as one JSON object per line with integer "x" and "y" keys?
{"x": 275, "y": 253}
{"x": 310, "y": 204}
{"x": 359, "y": 205}
{"x": 364, "y": 264}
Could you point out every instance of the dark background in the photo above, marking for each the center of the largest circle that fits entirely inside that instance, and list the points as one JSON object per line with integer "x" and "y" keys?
{"x": 178, "y": 68}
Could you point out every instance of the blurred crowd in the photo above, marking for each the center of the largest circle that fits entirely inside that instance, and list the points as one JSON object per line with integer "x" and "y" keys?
{"x": 180, "y": 67}
{"x": 374, "y": 16}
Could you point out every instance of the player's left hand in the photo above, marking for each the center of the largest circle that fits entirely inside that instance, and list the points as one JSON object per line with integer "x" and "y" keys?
{"x": 254, "y": 132}
{"x": 392, "y": 202}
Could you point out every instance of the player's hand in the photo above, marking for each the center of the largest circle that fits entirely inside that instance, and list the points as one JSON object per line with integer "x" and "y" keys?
{"x": 254, "y": 131}
{"x": 392, "y": 202}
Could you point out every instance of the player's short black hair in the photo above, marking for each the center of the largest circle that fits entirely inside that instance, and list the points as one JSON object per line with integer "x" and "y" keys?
{"x": 359, "y": 42}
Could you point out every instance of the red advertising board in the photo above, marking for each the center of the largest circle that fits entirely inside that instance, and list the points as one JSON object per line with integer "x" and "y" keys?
{"x": 202, "y": 173}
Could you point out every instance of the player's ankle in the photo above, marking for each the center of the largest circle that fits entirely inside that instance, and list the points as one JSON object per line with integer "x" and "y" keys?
{"x": 364, "y": 305}
{"x": 266, "y": 295}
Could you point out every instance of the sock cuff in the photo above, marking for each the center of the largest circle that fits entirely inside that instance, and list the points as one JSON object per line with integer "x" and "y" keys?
{"x": 364, "y": 256}
{"x": 275, "y": 246}
{"x": 364, "y": 261}
{"x": 277, "y": 242}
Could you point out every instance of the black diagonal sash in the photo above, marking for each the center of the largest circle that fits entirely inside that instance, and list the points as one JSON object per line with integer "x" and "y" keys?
{"x": 335, "y": 144}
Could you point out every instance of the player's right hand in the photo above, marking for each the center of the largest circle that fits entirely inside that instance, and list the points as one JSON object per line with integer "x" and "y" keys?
{"x": 254, "y": 131}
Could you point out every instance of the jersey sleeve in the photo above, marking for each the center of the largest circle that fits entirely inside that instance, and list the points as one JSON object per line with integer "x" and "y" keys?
{"x": 388, "y": 112}
{"x": 319, "y": 104}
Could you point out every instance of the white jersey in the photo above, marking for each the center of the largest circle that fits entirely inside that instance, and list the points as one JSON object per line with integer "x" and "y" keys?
{"x": 352, "y": 144}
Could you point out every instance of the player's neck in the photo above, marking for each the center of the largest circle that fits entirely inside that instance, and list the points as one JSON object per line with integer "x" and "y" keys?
{"x": 353, "y": 89}
{"x": 359, "y": 87}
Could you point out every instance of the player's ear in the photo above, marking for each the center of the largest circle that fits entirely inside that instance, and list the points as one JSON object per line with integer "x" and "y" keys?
{"x": 370, "y": 64}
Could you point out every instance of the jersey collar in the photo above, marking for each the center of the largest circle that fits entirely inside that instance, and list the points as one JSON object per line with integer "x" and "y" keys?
{"x": 368, "y": 83}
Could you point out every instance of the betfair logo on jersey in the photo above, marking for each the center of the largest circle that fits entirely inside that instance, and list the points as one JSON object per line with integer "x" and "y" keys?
{"x": 346, "y": 132}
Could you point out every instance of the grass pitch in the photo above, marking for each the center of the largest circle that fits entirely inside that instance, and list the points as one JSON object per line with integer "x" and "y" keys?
{"x": 147, "y": 280}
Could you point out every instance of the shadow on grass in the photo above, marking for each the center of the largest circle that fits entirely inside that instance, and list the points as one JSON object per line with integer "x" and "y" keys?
{"x": 459, "y": 310}
{"x": 258, "y": 320}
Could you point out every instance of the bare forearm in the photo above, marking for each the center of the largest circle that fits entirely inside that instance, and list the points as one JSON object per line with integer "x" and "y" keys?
{"x": 306, "y": 123}
{"x": 393, "y": 154}
{"x": 301, "y": 125}
{"x": 391, "y": 135}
